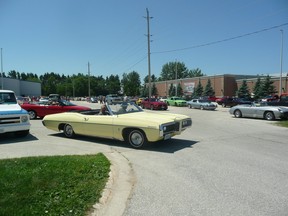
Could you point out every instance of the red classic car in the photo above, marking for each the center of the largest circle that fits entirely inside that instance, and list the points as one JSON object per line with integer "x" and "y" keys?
{"x": 153, "y": 104}
{"x": 40, "y": 110}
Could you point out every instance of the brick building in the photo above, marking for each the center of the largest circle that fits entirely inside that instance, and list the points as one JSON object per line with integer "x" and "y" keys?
{"x": 223, "y": 85}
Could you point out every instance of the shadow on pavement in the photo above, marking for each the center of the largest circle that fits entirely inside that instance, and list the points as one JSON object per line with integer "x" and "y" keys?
{"x": 167, "y": 146}
{"x": 10, "y": 138}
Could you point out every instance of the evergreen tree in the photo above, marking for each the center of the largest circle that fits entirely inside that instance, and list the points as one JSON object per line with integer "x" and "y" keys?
{"x": 172, "y": 90}
{"x": 243, "y": 90}
{"x": 199, "y": 90}
{"x": 257, "y": 89}
{"x": 209, "y": 91}
{"x": 267, "y": 87}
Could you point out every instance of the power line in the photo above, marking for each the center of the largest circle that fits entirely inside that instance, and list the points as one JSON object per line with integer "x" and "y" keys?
{"x": 221, "y": 41}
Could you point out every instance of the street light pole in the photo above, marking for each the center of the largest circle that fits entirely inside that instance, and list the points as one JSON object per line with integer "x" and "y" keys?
{"x": 281, "y": 63}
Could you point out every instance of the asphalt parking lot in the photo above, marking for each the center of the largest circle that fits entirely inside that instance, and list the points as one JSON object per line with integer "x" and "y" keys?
{"x": 219, "y": 166}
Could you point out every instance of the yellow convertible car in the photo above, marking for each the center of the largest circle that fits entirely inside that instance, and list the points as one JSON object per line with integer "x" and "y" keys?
{"x": 124, "y": 121}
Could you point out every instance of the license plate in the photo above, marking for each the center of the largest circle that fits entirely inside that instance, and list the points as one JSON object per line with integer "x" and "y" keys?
{"x": 167, "y": 136}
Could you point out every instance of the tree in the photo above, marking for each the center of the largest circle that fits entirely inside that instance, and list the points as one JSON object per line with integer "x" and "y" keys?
{"x": 172, "y": 90}
{"x": 131, "y": 83}
{"x": 195, "y": 73}
{"x": 267, "y": 87}
{"x": 257, "y": 89}
{"x": 209, "y": 91}
{"x": 243, "y": 90}
{"x": 169, "y": 71}
{"x": 113, "y": 84}
{"x": 154, "y": 90}
{"x": 199, "y": 90}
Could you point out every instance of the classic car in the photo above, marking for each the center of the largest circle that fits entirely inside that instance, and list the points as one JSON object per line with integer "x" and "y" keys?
{"x": 201, "y": 104}
{"x": 259, "y": 111}
{"x": 138, "y": 101}
{"x": 40, "y": 110}
{"x": 113, "y": 98}
{"x": 231, "y": 101}
{"x": 176, "y": 101}
{"x": 153, "y": 104}
{"x": 124, "y": 121}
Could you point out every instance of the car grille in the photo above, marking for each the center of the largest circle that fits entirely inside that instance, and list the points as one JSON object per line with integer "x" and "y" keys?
{"x": 171, "y": 127}
{"x": 10, "y": 120}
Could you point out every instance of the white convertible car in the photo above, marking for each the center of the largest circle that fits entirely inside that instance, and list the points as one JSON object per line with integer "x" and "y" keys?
{"x": 259, "y": 111}
{"x": 123, "y": 121}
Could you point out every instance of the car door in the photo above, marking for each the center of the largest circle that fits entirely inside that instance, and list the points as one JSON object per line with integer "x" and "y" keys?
{"x": 98, "y": 125}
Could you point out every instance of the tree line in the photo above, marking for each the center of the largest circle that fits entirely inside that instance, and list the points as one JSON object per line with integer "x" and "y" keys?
{"x": 84, "y": 85}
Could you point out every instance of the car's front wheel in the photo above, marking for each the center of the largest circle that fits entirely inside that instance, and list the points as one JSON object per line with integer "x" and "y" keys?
{"x": 68, "y": 131}
{"x": 152, "y": 107}
{"x": 136, "y": 138}
{"x": 269, "y": 116}
{"x": 237, "y": 113}
{"x": 189, "y": 106}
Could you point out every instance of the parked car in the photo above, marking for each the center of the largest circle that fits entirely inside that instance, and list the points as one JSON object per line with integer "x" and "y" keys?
{"x": 41, "y": 110}
{"x": 113, "y": 98}
{"x": 230, "y": 102}
{"x": 259, "y": 111}
{"x": 176, "y": 101}
{"x": 201, "y": 104}
{"x": 153, "y": 104}
{"x": 124, "y": 121}
{"x": 138, "y": 101}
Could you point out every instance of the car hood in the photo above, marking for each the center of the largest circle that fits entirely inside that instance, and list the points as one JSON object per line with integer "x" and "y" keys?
{"x": 11, "y": 109}
{"x": 153, "y": 117}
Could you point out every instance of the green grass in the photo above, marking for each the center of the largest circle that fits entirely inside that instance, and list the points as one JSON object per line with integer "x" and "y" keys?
{"x": 58, "y": 185}
{"x": 282, "y": 123}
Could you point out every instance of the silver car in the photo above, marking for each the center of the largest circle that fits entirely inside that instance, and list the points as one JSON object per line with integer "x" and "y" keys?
{"x": 259, "y": 111}
{"x": 201, "y": 104}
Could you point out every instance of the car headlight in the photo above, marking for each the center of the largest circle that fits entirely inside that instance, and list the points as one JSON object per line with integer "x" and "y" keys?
{"x": 162, "y": 128}
{"x": 24, "y": 119}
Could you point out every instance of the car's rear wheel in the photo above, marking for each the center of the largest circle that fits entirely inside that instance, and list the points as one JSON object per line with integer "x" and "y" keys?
{"x": 269, "y": 116}
{"x": 237, "y": 113}
{"x": 68, "y": 131}
{"x": 136, "y": 138}
{"x": 32, "y": 114}
{"x": 201, "y": 107}
{"x": 152, "y": 107}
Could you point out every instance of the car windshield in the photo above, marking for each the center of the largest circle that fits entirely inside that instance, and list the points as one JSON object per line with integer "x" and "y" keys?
{"x": 7, "y": 98}
{"x": 66, "y": 103}
{"x": 124, "y": 108}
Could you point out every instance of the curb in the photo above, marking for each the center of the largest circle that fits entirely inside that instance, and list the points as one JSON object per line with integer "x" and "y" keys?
{"x": 118, "y": 187}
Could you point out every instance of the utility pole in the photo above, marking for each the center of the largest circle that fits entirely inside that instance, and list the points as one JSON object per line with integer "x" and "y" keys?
{"x": 176, "y": 79}
{"x": 89, "y": 92}
{"x": 2, "y": 75}
{"x": 148, "y": 38}
{"x": 281, "y": 62}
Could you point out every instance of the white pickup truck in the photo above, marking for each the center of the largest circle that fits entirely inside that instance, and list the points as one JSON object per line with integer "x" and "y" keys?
{"x": 13, "y": 119}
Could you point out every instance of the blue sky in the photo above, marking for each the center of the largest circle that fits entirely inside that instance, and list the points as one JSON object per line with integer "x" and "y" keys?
{"x": 62, "y": 36}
